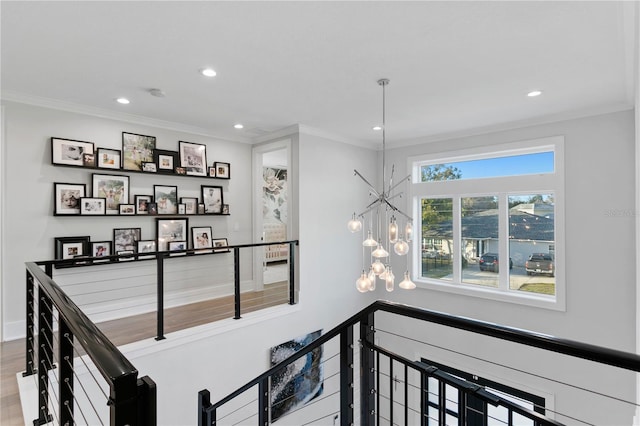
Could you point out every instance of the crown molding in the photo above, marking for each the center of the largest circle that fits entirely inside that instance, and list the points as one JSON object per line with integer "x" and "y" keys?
{"x": 59, "y": 105}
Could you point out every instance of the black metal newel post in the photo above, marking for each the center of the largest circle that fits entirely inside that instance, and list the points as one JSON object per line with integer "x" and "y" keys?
{"x": 236, "y": 278}
{"x": 65, "y": 358}
{"x": 346, "y": 377}
{"x": 263, "y": 402}
{"x": 367, "y": 370}
{"x": 45, "y": 353}
{"x": 30, "y": 353}
{"x": 160, "y": 291}
{"x": 292, "y": 274}
{"x": 206, "y": 416}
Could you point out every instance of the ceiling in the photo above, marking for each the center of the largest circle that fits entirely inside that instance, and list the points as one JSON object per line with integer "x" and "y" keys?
{"x": 455, "y": 67}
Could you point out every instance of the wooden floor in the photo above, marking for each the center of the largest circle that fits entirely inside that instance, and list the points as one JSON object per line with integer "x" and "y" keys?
{"x": 132, "y": 329}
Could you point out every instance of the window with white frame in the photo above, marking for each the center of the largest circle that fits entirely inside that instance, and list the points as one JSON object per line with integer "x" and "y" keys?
{"x": 496, "y": 213}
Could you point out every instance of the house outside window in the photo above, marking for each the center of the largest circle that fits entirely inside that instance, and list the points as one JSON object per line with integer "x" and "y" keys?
{"x": 497, "y": 212}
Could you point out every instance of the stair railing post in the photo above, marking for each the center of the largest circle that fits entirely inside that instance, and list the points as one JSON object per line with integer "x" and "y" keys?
{"x": 367, "y": 371}
{"x": 292, "y": 273}
{"x": 30, "y": 340}
{"x": 45, "y": 353}
{"x": 65, "y": 358}
{"x": 263, "y": 402}
{"x": 346, "y": 377}
{"x": 160, "y": 296}
{"x": 236, "y": 279}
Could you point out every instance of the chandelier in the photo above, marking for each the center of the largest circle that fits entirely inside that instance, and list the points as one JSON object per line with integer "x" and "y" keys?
{"x": 388, "y": 231}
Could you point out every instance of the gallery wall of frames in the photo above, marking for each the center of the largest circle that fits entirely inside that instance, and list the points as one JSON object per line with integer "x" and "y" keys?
{"x": 109, "y": 195}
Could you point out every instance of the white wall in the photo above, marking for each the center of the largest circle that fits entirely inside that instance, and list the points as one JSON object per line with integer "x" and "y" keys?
{"x": 30, "y": 226}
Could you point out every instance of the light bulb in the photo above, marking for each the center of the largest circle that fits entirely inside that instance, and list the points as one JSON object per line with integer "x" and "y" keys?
{"x": 383, "y": 274}
{"x": 408, "y": 231}
{"x": 389, "y": 280}
{"x": 354, "y": 224}
{"x": 406, "y": 283}
{"x": 401, "y": 248}
{"x": 380, "y": 252}
{"x": 369, "y": 242}
{"x": 363, "y": 283}
{"x": 372, "y": 278}
{"x": 393, "y": 230}
{"x": 377, "y": 267}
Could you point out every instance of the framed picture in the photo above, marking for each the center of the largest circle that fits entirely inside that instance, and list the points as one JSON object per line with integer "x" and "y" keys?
{"x": 149, "y": 167}
{"x": 71, "y": 247}
{"x": 152, "y": 208}
{"x": 166, "y": 197}
{"x": 125, "y": 239}
{"x": 69, "y": 152}
{"x": 125, "y": 258}
{"x": 93, "y": 206}
{"x": 115, "y": 188}
{"x": 177, "y": 246}
{"x": 108, "y": 158}
{"x": 100, "y": 249}
{"x": 181, "y": 171}
{"x": 212, "y": 171}
{"x": 219, "y": 245}
{"x": 225, "y": 209}
{"x": 200, "y": 208}
{"x": 191, "y": 204}
{"x": 127, "y": 209}
{"x": 182, "y": 209}
{"x": 142, "y": 203}
{"x": 169, "y": 230}
{"x": 67, "y": 197}
{"x": 223, "y": 170}
{"x": 193, "y": 157}
{"x": 146, "y": 246}
{"x": 212, "y": 199}
{"x": 137, "y": 149}
{"x": 201, "y": 237}
{"x": 165, "y": 160}
{"x": 88, "y": 160}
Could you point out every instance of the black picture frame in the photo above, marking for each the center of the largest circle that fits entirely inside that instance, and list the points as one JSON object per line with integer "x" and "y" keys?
{"x": 177, "y": 246}
{"x": 69, "y": 152}
{"x": 115, "y": 188}
{"x": 171, "y": 229}
{"x": 100, "y": 249}
{"x": 66, "y": 198}
{"x": 166, "y": 198}
{"x": 191, "y": 204}
{"x": 149, "y": 167}
{"x": 127, "y": 209}
{"x": 125, "y": 239}
{"x": 193, "y": 158}
{"x": 142, "y": 203}
{"x": 89, "y": 160}
{"x": 67, "y": 248}
{"x": 223, "y": 170}
{"x": 201, "y": 237}
{"x": 167, "y": 161}
{"x": 212, "y": 198}
{"x": 136, "y": 150}
{"x": 220, "y": 245}
{"x": 147, "y": 246}
{"x": 93, "y": 206}
{"x": 108, "y": 158}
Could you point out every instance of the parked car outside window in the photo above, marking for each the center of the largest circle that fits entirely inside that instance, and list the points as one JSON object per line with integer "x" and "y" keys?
{"x": 490, "y": 262}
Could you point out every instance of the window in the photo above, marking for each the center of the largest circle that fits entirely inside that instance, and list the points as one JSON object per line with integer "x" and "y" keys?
{"x": 494, "y": 213}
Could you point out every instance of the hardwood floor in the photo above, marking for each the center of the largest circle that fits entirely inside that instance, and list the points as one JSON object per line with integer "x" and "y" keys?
{"x": 132, "y": 329}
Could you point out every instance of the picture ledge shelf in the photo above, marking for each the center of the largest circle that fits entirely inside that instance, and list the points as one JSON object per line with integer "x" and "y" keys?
{"x": 121, "y": 170}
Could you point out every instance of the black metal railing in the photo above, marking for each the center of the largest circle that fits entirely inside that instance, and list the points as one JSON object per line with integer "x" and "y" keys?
{"x": 57, "y": 331}
{"x": 381, "y": 371}
{"x": 162, "y": 257}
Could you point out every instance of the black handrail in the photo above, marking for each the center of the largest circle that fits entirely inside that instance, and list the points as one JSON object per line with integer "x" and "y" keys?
{"x": 612, "y": 357}
{"x": 107, "y": 358}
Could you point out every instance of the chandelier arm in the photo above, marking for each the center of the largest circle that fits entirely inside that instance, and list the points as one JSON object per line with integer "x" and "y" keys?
{"x": 372, "y": 206}
{"x": 397, "y": 210}
{"x": 373, "y": 189}
{"x": 408, "y": 177}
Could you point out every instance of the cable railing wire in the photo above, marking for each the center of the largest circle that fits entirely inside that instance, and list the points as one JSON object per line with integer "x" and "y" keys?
{"x": 515, "y": 369}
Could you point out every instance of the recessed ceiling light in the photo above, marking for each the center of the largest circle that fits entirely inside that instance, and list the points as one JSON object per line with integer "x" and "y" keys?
{"x": 123, "y": 101}
{"x": 376, "y": 128}
{"x": 534, "y": 93}
{"x": 238, "y": 126}
{"x": 208, "y": 72}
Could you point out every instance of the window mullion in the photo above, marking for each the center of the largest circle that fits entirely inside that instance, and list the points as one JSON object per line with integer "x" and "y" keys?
{"x": 457, "y": 241}
{"x": 503, "y": 240}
